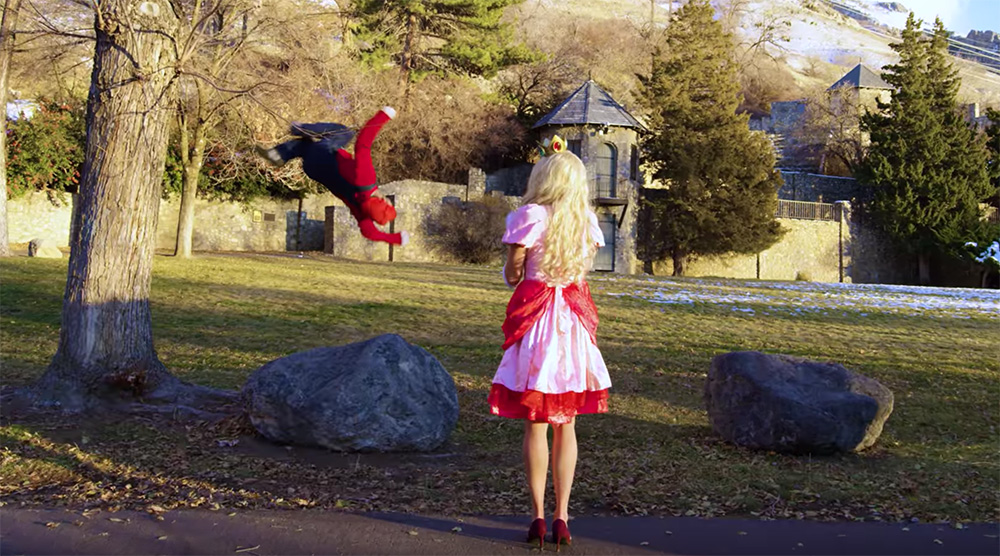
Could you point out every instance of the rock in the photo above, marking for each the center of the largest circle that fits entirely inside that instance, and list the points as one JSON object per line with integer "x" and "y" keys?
{"x": 380, "y": 395}
{"x": 789, "y": 404}
{"x": 42, "y": 249}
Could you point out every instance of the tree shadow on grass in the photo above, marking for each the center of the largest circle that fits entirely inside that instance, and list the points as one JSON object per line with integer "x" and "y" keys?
{"x": 236, "y": 332}
{"x": 627, "y": 466}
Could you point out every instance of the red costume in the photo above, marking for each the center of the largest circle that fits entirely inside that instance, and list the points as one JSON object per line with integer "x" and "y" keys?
{"x": 551, "y": 368}
{"x": 351, "y": 178}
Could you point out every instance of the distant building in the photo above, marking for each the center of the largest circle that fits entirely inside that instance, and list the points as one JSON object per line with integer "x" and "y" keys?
{"x": 866, "y": 86}
{"x": 858, "y": 90}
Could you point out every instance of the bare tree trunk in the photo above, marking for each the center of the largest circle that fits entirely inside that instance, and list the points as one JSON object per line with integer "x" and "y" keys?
{"x": 679, "y": 258}
{"x": 408, "y": 47}
{"x": 11, "y": 9}
{"x": 924, "y": 268}
{"x": 193, "y": 158}
{"x": 106, "y": 341}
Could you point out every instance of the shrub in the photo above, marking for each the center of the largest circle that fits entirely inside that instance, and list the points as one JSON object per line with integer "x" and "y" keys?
{"x": 45, "y": 151}
{"x": 468, "y": 232}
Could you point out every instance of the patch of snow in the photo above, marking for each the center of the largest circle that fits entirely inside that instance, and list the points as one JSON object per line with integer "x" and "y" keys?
{"x": 800, "y": 298}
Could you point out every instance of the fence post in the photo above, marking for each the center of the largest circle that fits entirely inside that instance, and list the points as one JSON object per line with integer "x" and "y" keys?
{"x": 328, "y": 223}
{"x": 839, "y": 212}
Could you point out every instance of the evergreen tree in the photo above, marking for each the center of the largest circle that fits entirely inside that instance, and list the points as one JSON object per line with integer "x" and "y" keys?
{"x": 448, "y": 36}
{"x": 722, "y": 185}
{"x": 993, "y": 150}
{"x": 926, "y": 168}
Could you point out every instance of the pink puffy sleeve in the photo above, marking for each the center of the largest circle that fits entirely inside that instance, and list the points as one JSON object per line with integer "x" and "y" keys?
{"x": 525, "y": 225}
{"x": 595, "y": 231}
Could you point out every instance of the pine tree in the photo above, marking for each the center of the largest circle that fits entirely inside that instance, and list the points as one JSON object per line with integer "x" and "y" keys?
{"x": 722, "y": 185}
{"x": 448, "y": 36}
{"x": 926, "y": 169}
{"x": 993, "y": 161}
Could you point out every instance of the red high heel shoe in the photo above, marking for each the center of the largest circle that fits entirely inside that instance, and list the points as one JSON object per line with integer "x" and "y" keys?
{"x": 537, "y": 532}
{"x": 560, "y": 533}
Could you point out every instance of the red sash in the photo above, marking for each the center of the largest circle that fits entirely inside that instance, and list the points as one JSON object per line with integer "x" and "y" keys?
{"x": 532, "y": 297}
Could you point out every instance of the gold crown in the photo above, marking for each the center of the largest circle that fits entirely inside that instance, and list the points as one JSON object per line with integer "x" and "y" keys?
{"x": 553, "y": 145}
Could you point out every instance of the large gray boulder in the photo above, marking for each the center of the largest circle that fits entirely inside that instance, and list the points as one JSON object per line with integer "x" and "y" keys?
{"x": 43, "y": 249}
{"x": 380, "y": 395}
{"x": 789, "y": 404}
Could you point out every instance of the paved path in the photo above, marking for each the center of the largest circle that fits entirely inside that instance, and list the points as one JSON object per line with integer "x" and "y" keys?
{"x": 314, "y": 532}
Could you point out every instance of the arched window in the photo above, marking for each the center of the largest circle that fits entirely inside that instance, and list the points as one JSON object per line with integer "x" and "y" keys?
{"x": 606, "y": 165}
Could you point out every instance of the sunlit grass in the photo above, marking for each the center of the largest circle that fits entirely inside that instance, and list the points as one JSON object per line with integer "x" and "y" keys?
{"x": 218, "y": 318}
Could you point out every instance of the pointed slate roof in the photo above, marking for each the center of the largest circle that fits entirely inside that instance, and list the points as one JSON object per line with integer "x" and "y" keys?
{"x": 861, "y": 78}
{"x": 589, "y": 104}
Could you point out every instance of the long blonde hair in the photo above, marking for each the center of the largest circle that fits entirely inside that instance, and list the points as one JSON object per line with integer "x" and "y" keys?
{"x": 559, "y": 181}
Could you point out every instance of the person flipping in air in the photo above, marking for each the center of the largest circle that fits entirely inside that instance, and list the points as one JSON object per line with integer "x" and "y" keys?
{"x": 350, "y": 178}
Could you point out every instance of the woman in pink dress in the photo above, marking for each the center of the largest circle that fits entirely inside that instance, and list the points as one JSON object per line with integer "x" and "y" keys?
{"x": 551, "y": 369}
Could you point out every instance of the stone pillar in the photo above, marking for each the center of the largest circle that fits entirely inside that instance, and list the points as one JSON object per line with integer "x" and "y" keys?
{"x": 475, "y": 187}
{"x": 328, "y": 224}
{"x": 842, "y": 210}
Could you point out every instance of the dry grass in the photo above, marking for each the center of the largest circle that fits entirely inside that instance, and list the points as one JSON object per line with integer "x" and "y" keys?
{"x": 217, "y": 318}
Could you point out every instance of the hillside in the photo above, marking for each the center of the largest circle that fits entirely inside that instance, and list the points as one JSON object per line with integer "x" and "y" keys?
{"x": 822, "y": 43}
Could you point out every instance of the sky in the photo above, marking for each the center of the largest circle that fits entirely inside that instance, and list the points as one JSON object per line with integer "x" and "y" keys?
{"x": 959, "y": 16}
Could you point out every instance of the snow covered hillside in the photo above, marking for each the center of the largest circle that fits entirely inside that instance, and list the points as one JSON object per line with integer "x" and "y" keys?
{"x": 820, "y": 41}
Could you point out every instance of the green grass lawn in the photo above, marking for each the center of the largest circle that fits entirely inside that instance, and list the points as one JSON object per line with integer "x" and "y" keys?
{"x": 217, "y": 318}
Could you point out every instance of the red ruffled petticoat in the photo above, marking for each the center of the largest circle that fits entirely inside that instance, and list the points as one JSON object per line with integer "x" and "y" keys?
{"x": 557, "y": 409}
{"x": 526, "y": 306}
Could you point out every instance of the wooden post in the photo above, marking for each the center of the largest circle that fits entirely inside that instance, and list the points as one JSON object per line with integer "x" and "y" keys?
{"x": 392, "y": 223}
{"x": 298, "y": 227}
{"x": 328, "y": 229}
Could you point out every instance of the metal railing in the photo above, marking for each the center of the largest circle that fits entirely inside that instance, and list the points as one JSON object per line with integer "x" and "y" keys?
{"x": 604, "y": 188}
{"x": 804, "y": 210}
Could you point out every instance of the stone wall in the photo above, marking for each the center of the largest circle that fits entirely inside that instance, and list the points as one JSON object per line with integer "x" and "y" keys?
{"x": 264, "y": 225}
{"x": 786, "y": 116}
{"x": 809, "y": 250}
{"x": 414, "y": 200}
{"x": 39, "y": 216}
{"x": 511, "y": 181}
